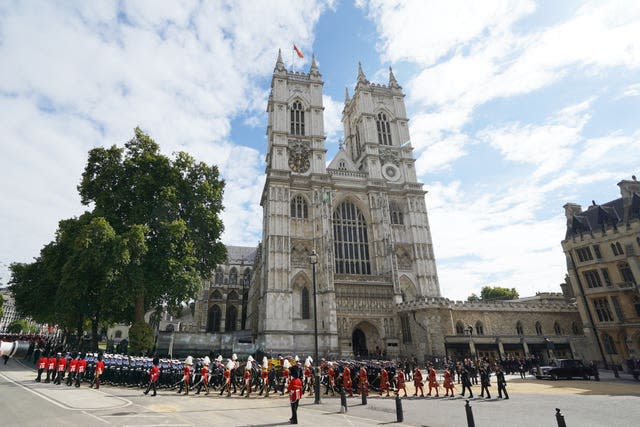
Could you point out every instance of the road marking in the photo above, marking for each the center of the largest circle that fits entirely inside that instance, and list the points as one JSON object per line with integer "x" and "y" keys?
{"x": 135, "y": 416}
{"x": 96, "y": 417}
{"x": 158, "y": 425}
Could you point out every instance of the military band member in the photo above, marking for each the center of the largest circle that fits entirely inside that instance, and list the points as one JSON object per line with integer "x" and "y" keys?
{"x": 204, "y": 376}
{"x": 417, "y": 382}
{"x": 227, "y": 377}
{"x": 186, "y": 376}
{"x": 433, "y": 381}
{"x": 308, "y": 376}
{"x": 295, "y": 394}
{"x": 331, "y": 380}
{"x": 82, "y": 367}
{"x": 400, "y": 382}
{"x": 347, "y": 384}
{"x": 363, "y": 381}
{"x": 285, "y": 376}
{"x": 62, "y": 366}
{"x": 448, "y": 382}
{"x": 99, "y": 370}
{"x": 264, "y": 376}
{"x": 154, "y": 375}
{"x": 246, "y": 377}
{"x": 51, "y": 368}
{"x": 384, "y": 381}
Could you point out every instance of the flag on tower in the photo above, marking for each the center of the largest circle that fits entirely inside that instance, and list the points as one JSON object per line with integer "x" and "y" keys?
{"x": 298, "y": 51}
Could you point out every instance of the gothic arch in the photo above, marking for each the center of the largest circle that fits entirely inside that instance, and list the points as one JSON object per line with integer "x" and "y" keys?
{"x": 306, "y": 106}
{"x": 372, "y": 338}
{"x": 362, "y": 205}
{"x": 300, "y": 282}
{"x": 408, "y": 289}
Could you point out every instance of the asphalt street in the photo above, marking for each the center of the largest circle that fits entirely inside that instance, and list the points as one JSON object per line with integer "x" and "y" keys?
{"x": 23, "y": 402}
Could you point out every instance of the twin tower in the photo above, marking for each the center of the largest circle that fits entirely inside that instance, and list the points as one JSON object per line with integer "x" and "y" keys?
{"x": 363, "y": 213}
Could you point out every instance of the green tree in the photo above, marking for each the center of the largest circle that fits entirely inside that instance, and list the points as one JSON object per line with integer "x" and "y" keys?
{"x": 21, "y": 326}
{"x": 140, "y": 338}
{"x": 492, "y": 293}
{"x": 1, "y": 304}
{"x": 177, "y": 202}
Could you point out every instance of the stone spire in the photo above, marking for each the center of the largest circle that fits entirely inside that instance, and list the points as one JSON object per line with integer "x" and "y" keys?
{"x": 279, "y": 62}
{"x": 314, "y": 71}
{"x": 393, "y": 83}
{"x": 361, "y": 77}
{"x": 347, "y": 98}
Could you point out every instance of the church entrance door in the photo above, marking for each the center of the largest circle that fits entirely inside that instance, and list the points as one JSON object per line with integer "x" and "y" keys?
{"x": 359, "y": 343}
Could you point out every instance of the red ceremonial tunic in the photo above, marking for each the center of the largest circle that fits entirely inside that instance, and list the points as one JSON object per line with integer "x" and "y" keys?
{"x": 73, "y": 365}
{"x": 227, "y": 376}
{"x": 307, "y": 372}
{"x": 400, "y": 379}
{"x": 154, "y": 373}
{"x": 42, "y": 362}
{"x": 99, "y": 367}
{"x": 265, "y": 374}
{"x": 82, "y": 365}
{"x": 295, "y": 389}
{"x": 204, "y": 373}
{"x": 384, "y": 378}
{"x": 285, "y": 373}
{"x": 346, "y": 378}
{"x": 51, "y": 363}
{"x": 331, "y": 374}
{"x": 417, "y": 378}
{"x": 448, "y": 383}
{"x": 433, "y": 382}
{"x": 62, "y": 364}
{"x": 187, "y": 374}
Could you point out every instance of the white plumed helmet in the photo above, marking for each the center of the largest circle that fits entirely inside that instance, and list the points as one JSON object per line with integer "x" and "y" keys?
{"x": 219, "y": 358}
{"x": 250, "y": 359}
{"x": 297, "y": 359}
{"x": 206, "y": 360}
{"x": 234, "y": 357}
{"x": 307, "y": 362}
{"x": 249, "y": 365}
{"x": 188, "y": 360}
{"x": 230, "y": 364}
{"x": 265, "y": 362}
{"x": 286, "y": 364}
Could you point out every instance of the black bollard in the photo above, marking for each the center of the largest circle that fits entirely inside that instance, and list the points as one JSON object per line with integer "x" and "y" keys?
{"x": 399, "y": 414}
{"x": 364, "y": 397}
{"x": 343, "y": 401}
{"x": 560, "y": 418}
{"x": 470, "y": 422}
{"x": 615, "y": 370}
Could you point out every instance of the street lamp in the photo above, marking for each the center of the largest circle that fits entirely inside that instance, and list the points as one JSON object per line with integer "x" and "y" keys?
{"x": 313, "y": 259}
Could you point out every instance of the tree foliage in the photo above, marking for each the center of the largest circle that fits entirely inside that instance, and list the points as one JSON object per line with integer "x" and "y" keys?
{"x": 1, "y": 304}
{"x": 21, "y": 326}
{"x": 176, "y": 201}
{"x": 492, "y": 293}
{"x": 140, "y": 338}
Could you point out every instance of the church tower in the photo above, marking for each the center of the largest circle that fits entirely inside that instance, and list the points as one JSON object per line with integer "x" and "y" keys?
{"x": 294, "y": 204}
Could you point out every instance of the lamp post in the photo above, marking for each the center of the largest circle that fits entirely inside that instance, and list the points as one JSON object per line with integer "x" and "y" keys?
{"x": 313, "y": 259}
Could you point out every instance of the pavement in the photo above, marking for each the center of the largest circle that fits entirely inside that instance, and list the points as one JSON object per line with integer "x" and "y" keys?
{"x": 610, "y": 402}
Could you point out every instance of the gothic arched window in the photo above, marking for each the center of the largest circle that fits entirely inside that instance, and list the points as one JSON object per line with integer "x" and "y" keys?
{"x": 231, "y": 318}
{"x": 575, "y": 328}
{"x": 215, "y": 295}
{"x": 213, "y": 321}
{"x": 557, "y": 329}
{"x": 304, "y": 303}
{"x": 609, "y": 344}
{"x": 247, "y": 276}
{"x": 397, "y": 217}
{"x": 519, "y": 328}
{"x": 233, "y": 296}
{"x": 384, "y": 130}
{"x": 538, "y": 328}
{"x": 297, "y": 119}
{"x": 626, "y": 273}
{"x": 219, "y": 276}
{"x": 479, "y": 328}
{"x": 459, "y": 328}
{"x": 299, "y": 207}
{"x": 351, "y": 244}
{"x": 233, "y": 276}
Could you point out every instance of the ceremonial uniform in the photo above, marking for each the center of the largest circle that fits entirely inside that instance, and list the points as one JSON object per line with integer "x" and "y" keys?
{"x": 285, "y": 376}
{"x": 227, "y": 378}
{"x": 448, "y": 382}
{"x": 42, "y": 365}
{"x": 502, "y": 383}
{"x": 400, "y": 382}
{"x": 417, "y": 382}
{"x": 295, "y": 394}
{"x": 154, "y": 375}
{"x": 346, "y": 381}
{"x": 82, "y": 367}
{"x": 485, "y": 382}
{"x": 62, "y": 366}
{"x": 363, "y": 381}
{"x": 331, "y": 383}
{"x": 466, "y": 382}
{"x": 264, "y": 376}
{"x": 384, "y": 381}
{"x": 204, "y": 376}
{"x": 73, "y": 368}
{"x": 186, "y": 376}
{"x": 99, "y": 369}
{"x": 51, "y": 369}
{"x": 433, "y": 382}
{"x": 246, "y": 378}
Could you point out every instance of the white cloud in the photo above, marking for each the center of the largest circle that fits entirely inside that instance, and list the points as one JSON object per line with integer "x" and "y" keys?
{"x": 332, "y": 118}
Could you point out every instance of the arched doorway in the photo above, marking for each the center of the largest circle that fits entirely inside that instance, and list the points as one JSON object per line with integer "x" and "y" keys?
{"x": 359, "y": 343}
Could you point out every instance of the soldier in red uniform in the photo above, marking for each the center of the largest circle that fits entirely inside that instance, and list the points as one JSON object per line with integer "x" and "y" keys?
{"x": 400, "y": 382}
{"x": 186, "y": 377}
{"x": 331, "y": 383}
{"x": 42, "y": 365}
{"x": 73, "y": 368}
{"x": 448, "y": 382}
{"x": 347, "y": 384}
{"x": 264, "y": 377}
{"x": 308, "y": 376}
{"x": 98, "y": 372}
{"x": 295, "y": 394}
{"x": 82, "y": 367}
{"x": 154, "y": 374}
{"x": 246, "y": 377}
{"x": 204, "y": 376}
{"x": 363, "y": 381}
{"x": 417, "y": 382}
{"x": 227, "y": 377}
{"x": 51, "y": 368}
{"x": 433, "y": 382}
{"x": 285, "y": 376}
{"x": 62, "y": 365}
{"x": 384, "y": 381}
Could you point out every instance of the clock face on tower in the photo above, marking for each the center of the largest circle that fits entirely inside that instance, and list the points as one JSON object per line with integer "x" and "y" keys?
{"x": 299, "y": 157}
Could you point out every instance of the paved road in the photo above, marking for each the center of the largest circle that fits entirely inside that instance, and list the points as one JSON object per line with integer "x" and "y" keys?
{"x": 611, "y": 402}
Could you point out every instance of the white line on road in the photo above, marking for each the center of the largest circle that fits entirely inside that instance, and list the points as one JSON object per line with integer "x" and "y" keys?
{"x": 96, "y": 417}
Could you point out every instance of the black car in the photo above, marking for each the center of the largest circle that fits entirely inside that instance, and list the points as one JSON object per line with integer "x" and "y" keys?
{"x": 565, "y": 368}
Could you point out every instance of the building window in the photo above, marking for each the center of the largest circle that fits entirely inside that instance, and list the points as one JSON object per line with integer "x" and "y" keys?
{"x": 459, "y": 328}
{"x": 557, "y": 329}
{"x": 233, "y": 276}
{"x": 246, "y": 277}
{"x": 607, "y": 278}
{"x": 602, "y": 310}
{"x": 351, "y": 243}
{"x": 213, "y": 321}
{"x": 406, "y": 330}
{"x": 384, "y": 130}
{"x": 219, "y": 277}
{"x": 636, "y": 305}
{"x": 297, "y": 119}
{"x": 575, "y": 328}
{"x": 118, "y": 334}
{"x": 617, "y": 249}
{"x": 592, "y": 278}
{"x": 233, "y": 296}
{"x": 626, "y": 273}
{"x": 584, "y": 254}
{"x": 609, "y": 345}
{"x": 342, "y": 165}
{"x": 596, "y": 251}
{"x": 617, "y": 308}
{"x": 538, "y": 328}
{"x": 519, "y": 328}
{"x": 231, "y": 318}
{"x": 479, "y": 328}
{"x": 304, "y": 303}
{"x": 215, "y": 295}
{"x": 299, "y": 207}
{"x": 395, "y": 213}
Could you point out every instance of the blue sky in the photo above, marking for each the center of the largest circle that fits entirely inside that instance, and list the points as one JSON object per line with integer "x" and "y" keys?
{"x": 516, "y": 108}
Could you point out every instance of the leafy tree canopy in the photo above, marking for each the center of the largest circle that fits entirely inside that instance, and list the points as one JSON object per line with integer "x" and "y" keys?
{"x": 492, "y": 293}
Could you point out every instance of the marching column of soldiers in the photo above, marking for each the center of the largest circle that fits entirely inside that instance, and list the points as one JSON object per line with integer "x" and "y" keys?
{"x": 270, "y": 376}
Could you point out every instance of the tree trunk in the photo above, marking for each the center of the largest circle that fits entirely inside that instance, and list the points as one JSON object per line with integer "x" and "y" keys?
{"x": 94, "y": 334}
{"x": 138, "y": 314}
